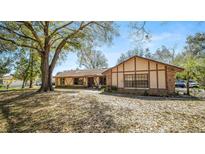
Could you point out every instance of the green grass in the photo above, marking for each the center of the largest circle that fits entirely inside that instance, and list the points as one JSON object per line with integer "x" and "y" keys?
{"x": 16, "y": 88}
{"x": 3, "y": 88}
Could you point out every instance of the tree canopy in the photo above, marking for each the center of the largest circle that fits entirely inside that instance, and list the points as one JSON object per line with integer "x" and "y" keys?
{"x": 164, "y": 54}
{"x": 137, "y": 51}
{"x": 54, "y": 37}
{"x": 92, "y": 59}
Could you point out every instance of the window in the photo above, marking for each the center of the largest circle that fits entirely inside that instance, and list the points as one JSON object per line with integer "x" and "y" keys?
{"x": 62, "y": 81}
{"x": 102, "y": 80}
{"x": 78, "y": 81}
{"x": 136, "y": 81}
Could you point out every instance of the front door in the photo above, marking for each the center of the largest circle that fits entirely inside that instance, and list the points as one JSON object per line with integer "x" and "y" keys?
{"x": 90, "y": 82}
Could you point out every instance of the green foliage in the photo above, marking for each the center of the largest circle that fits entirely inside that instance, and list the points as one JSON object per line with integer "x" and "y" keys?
{"x": 27, "y": 67}
{"x": 7, "y": 57}
{"x": 191, "y": 66}
{"x": 196, "y": 45}
{"x": 114, "y": 88}
{"x": 146, "y": 93}
{"x": 22, "y": 65}
{"x": 50, "y": 39}
{"x": 192, "y": 59}
{"x": 164, "y": 54}
{"x": 4, "y": 66}
{"x": 137, "y": 51}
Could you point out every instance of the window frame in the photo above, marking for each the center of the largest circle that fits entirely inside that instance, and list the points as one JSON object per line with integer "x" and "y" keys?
{"x": 134, "y": 83}
{"x": 102, "y": 80}
{"x": 62, "y": 81}
{"x": 79, "y": 80}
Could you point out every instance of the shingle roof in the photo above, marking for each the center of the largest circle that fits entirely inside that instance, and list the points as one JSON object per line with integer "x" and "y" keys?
{"x": 81, "y": 73}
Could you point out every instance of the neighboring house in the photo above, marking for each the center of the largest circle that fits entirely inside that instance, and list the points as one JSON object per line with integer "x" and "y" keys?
{"x": 136, "y": 74}
{"x": 143, "y": 75}
{"x": 9, "y": 80}
{"x": 80, "y": 78}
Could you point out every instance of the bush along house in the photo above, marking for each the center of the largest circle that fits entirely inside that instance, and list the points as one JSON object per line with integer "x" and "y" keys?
{"x": 142, "y": 76}
{"x": 138, "y": 75}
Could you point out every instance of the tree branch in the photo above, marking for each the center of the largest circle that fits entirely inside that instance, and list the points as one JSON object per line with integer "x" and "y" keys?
{"x": 64, "y": 41}
{"x": 19, "y": 44}
{"x": 46, "y": 41}
{"x": 57, "y": 29}
{"x": 52, "y": 42}
{"x": 14, "y": 32}
{"x": 30, "y": 27}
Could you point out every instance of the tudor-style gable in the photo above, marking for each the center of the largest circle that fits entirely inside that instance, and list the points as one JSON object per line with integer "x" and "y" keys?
{"x": 142, "y": 73}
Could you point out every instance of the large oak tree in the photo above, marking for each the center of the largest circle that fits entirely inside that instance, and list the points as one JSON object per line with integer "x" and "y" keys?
{"x": 47, "y": 38}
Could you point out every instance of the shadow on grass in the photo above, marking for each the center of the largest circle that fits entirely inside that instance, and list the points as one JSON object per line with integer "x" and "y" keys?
{"x": 30, "y": 112}
{"x": 154, "y": 98}
{"x": 75, "y": 90}
{"x": 5, "y": 108}
{"x": 97, "y": 120}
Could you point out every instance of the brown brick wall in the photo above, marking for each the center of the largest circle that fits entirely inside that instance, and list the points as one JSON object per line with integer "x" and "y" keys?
{"x": 171, "y": 80}
{"x": 151, "y": 92}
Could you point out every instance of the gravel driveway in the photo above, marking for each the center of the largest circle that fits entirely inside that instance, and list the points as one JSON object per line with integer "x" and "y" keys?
{"x": 92, "y": 111}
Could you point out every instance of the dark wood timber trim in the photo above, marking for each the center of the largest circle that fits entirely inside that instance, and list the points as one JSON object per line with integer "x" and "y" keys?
{"x": 123, "y": 70}
{"x": 178, "y": 68}
{"x": 117, "y": 76}
{"x": 135, "y": 64}
{"x": 135, "y": 67}
{"x": 166, "y": 77}
{"x": 157, "y": 76}
{"x": 79, "y": 76}
{"x": 111, "y": 77}
{"x": 148, "y": 74}
{"x": 137, "y": 71}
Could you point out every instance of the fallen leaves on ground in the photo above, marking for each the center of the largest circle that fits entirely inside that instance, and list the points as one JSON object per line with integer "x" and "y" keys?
{"x": 91, "y": 111}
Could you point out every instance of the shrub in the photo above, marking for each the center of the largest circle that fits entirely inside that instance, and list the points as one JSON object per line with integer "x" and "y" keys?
{"x": 114, "y": 88}
{"x": 103, "y": 88}
{"x": 146, "y": 93}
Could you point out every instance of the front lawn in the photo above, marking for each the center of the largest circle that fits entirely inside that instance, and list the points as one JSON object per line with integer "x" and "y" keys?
{"x": 89, "y": 111}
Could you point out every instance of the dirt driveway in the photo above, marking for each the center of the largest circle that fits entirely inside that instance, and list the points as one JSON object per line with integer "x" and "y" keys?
{"x": 92, "y": 111}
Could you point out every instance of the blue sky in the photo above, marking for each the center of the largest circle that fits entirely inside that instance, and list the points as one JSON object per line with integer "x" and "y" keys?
{"x": 169, "y": 34}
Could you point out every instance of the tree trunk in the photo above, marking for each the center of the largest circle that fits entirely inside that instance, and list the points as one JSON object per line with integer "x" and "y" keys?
{"x": 50, "y": 80}
{"x": 44, "y": 72}
{"x": 31, "y": 72}
{"x": 31, "y": 83}
{"x": 46, "y": 85}
{"x": 23, "y": 84}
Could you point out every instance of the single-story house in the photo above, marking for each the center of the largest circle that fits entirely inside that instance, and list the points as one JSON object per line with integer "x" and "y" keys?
{"x": 80, "y": 78}
{"x": 143, "y": 75}
{"x": 9, "y": 80}
{"x": 136, "y": 74}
